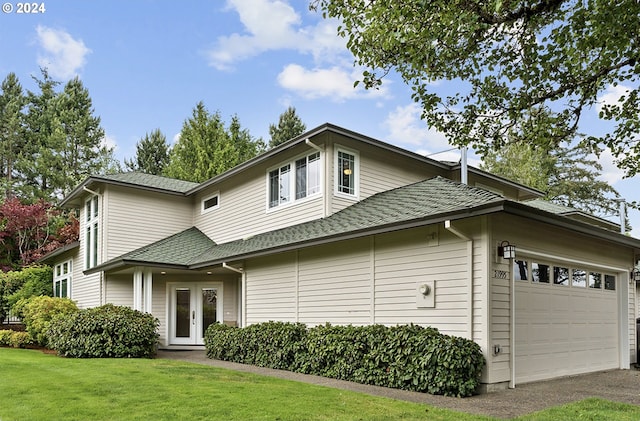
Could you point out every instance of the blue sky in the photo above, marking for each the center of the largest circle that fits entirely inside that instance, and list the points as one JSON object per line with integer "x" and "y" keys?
{"x": 147, "y": 63}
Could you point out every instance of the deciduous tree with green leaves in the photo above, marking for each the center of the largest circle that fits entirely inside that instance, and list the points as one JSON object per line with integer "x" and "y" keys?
{"x": 207, "y": 148}
{"x": 524, "y": 70}
{"x": 289, "y": 126}
{"x": 152, "y": 154}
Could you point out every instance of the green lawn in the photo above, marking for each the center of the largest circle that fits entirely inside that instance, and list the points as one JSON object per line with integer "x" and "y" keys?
{"x": 37, "y": 386}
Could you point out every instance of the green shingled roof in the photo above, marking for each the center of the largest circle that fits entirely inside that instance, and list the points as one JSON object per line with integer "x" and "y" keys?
{"x": 151, "y": 181}
{"x": 418, "y": 201}
{"x": 179, "y": 249}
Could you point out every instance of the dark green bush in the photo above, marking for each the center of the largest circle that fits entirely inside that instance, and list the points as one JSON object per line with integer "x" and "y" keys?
{"x": 406, "y": 357}
{"x": 272, "y": 344}
{"x": 38, "y": 312}
{"x": 106, "y": 331}
{"x": 28, "y": 282}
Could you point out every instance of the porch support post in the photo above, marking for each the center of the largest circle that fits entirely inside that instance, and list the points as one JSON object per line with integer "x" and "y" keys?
{"x": 137, "y": 289}
{"x": 148, "y": 291}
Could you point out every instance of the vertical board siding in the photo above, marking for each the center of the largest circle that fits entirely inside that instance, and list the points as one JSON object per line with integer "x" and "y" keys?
{"x": 270, "y": 289}
{"x": 404, "y": 259}
{"x": 334, "y": 284}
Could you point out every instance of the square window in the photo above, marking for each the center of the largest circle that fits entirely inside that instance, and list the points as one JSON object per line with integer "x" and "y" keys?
{"x": 540, "y": 273}
{"x": 595, "y": 280}
{"x": 579, "y": 278}
{"x": 560, "y": 276}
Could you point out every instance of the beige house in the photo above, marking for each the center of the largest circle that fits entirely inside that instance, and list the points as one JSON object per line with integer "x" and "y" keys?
{"x": 334, "y": 226}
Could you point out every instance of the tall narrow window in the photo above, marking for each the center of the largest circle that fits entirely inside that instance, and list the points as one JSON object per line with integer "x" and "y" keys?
{"x": 346, "y": 173}
{"x": 308, "y": 175}
{"x": 62, "y": 279}
{"x": 279, "y": 186}
{"x": 91, "y": 232}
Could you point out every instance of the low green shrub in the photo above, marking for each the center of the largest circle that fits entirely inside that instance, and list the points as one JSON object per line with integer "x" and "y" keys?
{"x": 272, "y": 344}
{"x": 5, "y": 337}
{"x": 20, "y": 339}
{"x": 38, "y": 313}
{"x": 406, "y": 357}
{"x": 106, "y": 331}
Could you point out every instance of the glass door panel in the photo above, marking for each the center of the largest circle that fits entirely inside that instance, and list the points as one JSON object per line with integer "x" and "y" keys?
{"x": 209, "y": 308}
{"x": 183, "y": 313}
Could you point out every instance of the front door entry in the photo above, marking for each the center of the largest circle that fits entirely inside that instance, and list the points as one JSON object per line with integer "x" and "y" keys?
{"x": 193, "y": 308}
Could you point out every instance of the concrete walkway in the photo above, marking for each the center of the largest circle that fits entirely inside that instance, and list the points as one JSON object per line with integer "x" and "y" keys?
{"x": 615, "y": 385}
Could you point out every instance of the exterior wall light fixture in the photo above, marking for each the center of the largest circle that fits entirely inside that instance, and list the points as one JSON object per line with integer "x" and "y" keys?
{"x": 506, "y": 250}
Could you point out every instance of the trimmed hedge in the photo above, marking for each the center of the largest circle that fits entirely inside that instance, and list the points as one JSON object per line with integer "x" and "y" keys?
{"x": 406, "y": 357}
{"x": 272, "y": 344}
{"x": 27, "y": 282}
{"x": 106, "y": 331}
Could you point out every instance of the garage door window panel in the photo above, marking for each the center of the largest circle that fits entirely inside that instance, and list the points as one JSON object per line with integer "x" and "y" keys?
{"x": 520, "y": 270}
{"x": 579, "y": 278}
{"x": 540, "y": 272}
{"x": 609, "y": 282}
{"x": 595, "y": 280}
{"x": 560, "y": 276}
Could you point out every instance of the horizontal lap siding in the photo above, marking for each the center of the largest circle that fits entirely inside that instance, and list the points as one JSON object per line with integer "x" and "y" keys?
{"x": 335, "y": 284}
{"x": 402, "y": 261}
{"x": 243, "y": 207}
{"x": 119, "y": 290}
{"x": 85, "y": 290}
{"x": 134, "y": 218}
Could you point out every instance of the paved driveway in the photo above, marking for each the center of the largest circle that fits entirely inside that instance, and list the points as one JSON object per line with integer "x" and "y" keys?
{"x": 615, "y": 385}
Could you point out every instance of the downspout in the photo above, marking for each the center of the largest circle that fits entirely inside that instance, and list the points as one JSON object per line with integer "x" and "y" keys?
{"x": 453, "y": 230}
{"x": 243, "y": 292}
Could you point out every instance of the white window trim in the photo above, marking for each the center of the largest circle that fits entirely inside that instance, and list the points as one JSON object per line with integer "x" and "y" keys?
{"x": 59, "y": 278}
{"x": 212, "y": 208}
{"x": 356, "y": 169}
{"x": 92, "y": 227}
{"x": 292, "y": 182}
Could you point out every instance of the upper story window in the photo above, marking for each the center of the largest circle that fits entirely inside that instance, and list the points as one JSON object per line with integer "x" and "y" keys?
{"x": 62, "y": 280}
{"x": 210, "y": 203}
{"x": 294, "y": 180}
{"x": 347, "y": 167}
{"x": 91, "y": 232}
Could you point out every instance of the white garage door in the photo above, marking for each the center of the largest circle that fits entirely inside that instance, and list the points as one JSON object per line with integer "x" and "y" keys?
{"x": 566, "y": 321}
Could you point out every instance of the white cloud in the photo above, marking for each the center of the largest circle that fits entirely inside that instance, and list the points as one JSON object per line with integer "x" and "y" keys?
{"x": 273, "y": 25}
{"x": 334, "y": 83}
{"x": 610, "y": 172}
{"x": 62, "y": 55}
{"x": 612, "y": 95}
{"x": 109, "y": 142}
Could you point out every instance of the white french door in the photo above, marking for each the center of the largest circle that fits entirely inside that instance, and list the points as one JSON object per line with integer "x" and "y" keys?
{"x": 192, "y": 308}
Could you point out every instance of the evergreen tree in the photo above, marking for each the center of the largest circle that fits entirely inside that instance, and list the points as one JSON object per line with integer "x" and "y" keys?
{"x": 206, "y": 148}
{"x": 12, "y": 103}
{"x": 152, "y": 154}
{"x": 64, "y": 140}
{"x": 568, "y": 175}
{"x": 289, "y": 126}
